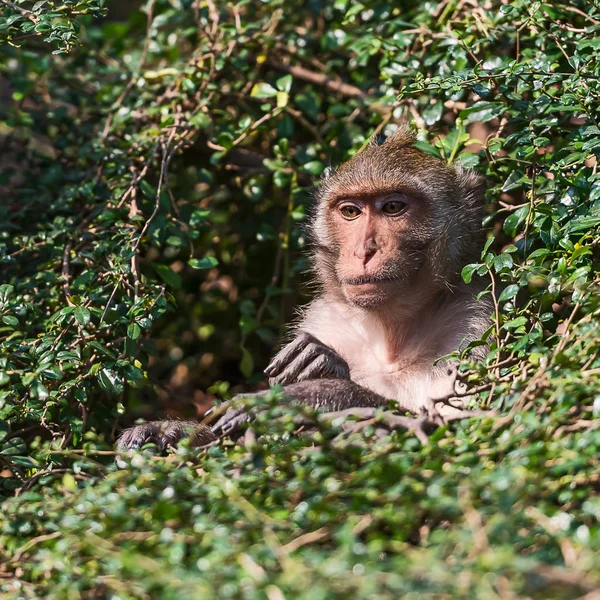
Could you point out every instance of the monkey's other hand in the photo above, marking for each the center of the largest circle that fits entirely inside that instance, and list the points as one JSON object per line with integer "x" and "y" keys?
{"x": 161, "y": 433}
{"x": 232, "y": 414}
{"x": 306, "y": 358}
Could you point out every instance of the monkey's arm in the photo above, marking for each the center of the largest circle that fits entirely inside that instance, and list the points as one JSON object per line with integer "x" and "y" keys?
{"x": 306, "y": 358}
{"x": 338, "y": 397}
{"x": 303, "y": 359}
{"x": 343, "y": 398}
{"x": 322, "y": 394}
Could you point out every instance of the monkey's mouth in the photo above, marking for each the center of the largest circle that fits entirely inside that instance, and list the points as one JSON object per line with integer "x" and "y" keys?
{"x": 368, "y": 280}
{"x": 369, "y": 291}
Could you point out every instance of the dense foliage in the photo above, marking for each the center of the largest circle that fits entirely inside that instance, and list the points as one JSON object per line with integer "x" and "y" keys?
{"x": 156, "y": 167}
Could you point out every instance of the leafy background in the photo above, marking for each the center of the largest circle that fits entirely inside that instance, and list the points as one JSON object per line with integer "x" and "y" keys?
{"x": 156, "y": 171}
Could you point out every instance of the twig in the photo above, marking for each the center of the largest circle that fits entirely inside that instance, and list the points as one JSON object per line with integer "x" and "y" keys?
{"x": 26, "y": 13}
{"x": 32, "y": 542}
{"x": 110, "y": 299}
{"x": 307, "y": 538}
{"x": 133, "y": 212}
{"x": 333, "y": 85}
{"x": 253, "y": 127}
{"x": 135, "y": 181}
{"x": 391, "y": 421}
{"x": 66, "y": 272}
{"x": 163, "y": 166}
{"x": 496, "y": 317}
{"x": 302, "y": 119}
{"x": 578, "y": 11}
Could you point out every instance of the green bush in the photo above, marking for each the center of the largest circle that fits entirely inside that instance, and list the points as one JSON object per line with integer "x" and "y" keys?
{"x": 156, "y": 170}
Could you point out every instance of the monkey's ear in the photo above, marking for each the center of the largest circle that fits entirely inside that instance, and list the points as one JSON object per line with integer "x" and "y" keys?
{"x": 472, "y": 186}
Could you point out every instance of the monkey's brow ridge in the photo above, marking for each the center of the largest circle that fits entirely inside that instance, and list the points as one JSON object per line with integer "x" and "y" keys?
{"x": 371, "y": 189}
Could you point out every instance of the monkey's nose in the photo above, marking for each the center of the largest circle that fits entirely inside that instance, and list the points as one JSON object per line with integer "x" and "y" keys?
{"x": 365, "y": 250}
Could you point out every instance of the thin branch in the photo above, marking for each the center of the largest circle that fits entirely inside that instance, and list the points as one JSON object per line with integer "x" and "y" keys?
{"x": 66, "y": 272}
{"x": 334, "y": 85}
{"x": 26, "y": 13}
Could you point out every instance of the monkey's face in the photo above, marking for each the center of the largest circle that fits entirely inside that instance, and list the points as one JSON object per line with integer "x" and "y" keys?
{"x": 381, "y": 242}
{"x": 395, "y": 224}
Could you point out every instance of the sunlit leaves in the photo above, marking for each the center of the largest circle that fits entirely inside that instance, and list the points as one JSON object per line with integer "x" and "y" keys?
{"x": 82, "y": 315}
{"x": 59, "y": 27}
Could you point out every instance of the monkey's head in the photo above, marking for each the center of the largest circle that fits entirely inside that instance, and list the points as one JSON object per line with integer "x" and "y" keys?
{"x": 395, "y": 224}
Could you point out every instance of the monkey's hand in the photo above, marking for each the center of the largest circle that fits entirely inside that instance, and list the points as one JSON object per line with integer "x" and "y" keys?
{"x": 164, "y": 434}
{"x": 306, "y": 358}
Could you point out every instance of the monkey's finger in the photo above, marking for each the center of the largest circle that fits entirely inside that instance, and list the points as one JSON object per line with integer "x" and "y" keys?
{"x": 134, "y": 438}
{"x": 230, "y": 421}
{"x": 312, "y": 353}
{"x": 288, "y": 353}
{"x": 161, "y": 433}
{"x": 331, "y": 367}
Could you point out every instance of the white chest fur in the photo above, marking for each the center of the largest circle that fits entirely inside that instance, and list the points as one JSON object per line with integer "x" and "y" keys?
{"x": 386, "y": 361}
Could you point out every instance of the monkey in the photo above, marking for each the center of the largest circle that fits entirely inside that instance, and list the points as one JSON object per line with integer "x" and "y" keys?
{"x": 391, "y": 229}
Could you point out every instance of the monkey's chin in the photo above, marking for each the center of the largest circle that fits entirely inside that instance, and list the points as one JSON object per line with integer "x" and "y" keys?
{"x": 369, "y": 295}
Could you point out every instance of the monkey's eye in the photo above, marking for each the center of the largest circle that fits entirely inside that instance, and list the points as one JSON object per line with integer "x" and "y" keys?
{"x": 393, "y": 207}
{"x": 349, "y": 211}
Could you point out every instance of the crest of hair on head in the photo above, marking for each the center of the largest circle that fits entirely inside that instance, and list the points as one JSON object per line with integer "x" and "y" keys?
{"x": 405, "y": 135}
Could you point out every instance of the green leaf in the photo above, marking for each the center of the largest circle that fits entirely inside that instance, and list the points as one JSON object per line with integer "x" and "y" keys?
{"x": 10, "y": 320}
{"x": 486, "y": 247}
{"x": 200, "y": 120}
{"x": 282, "y": 99}
{"x": 51, "y": 372}
{"x": 515, "y": 180}
{"x": 110, "y": 381}
{"x": 468, "y": 270}
{"x": 540, "y": 252}
{"x": 314, "y": 167}
{"x": 134, "y": 331}
{"x": 247, "y": 363}
{"x": 6, "y": 290}
{"x": 167, "y": 275}
{"x": 101, "y": 349}
{"x": 82, "y": 315}
{"x": 509, "y": 293}
{"x": 502, "y": 261}
{"x": 284, "y": 83}
{"x": 514, "y": 323}
{"x": 512, "y": 222}
{"x": 69, "y": 482}
{"x": 67, "y": 355}
{"x": 263, "y": 90}
{"x": 199, "y": 216}
{"x": 208, "y": 262}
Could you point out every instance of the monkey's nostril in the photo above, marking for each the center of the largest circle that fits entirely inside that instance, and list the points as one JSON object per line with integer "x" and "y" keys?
{"x": 368, "y": 256}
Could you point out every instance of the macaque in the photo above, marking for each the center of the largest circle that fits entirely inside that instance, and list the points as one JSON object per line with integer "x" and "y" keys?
{"x": 391, "y": 231}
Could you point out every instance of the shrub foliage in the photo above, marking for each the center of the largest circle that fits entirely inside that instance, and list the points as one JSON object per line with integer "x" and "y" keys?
{"x": 156, "y": 170}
